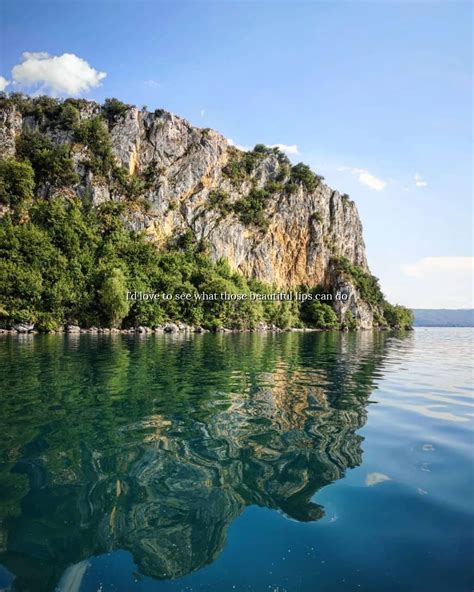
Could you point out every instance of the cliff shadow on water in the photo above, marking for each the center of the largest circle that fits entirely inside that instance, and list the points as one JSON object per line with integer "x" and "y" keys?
{"x": 156, "y": 444}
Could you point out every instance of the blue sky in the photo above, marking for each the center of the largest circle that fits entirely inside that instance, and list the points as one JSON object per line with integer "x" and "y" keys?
{"x": 376, "y": 96}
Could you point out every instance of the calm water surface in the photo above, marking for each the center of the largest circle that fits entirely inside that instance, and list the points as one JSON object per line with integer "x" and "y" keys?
{"x": 214, "y": 463}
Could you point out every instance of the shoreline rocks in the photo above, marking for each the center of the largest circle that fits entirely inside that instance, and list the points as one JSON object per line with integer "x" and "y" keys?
{"x": 24, "y": 327}
{"x": 166, "y": 329}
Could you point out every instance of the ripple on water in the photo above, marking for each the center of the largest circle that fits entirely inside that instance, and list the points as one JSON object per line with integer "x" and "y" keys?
{"x": 201, "y": 462}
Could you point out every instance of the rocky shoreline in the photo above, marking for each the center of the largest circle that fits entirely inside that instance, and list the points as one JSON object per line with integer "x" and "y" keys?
{"x": 167, "y": 328}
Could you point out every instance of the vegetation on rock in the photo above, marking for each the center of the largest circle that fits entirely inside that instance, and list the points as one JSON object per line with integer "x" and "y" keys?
{"x": 17, "y": 182}
{"x": 302, "y": 174}
{"x": 65, "y": 259}
{"x": 251, "y": 208}
{"x": 52, "y": 163}
{"x": 367, "y": 284}
{"x": 397, "y": 316}
{"x": 369, "y": 290}
{"x": 74, "y": 264}
{"x": 320, "y": 315}
{"x": 113, "y": 109}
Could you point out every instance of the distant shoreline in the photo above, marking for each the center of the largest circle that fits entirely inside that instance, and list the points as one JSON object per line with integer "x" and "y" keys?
{"x": 443, "y": 317}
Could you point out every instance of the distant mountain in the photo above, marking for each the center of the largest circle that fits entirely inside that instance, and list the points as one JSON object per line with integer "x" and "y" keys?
{"x": 442, "y": 317}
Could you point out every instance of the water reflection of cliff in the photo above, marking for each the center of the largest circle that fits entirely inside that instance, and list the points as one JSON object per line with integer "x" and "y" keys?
{"x": 156, "y": 446}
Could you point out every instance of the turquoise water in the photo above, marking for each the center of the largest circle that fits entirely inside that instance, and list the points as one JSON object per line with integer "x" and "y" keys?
{"x": 248, "y": 462}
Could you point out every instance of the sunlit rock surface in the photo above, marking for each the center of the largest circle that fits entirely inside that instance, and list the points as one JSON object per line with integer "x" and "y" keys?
{"x": 184, "y": 165}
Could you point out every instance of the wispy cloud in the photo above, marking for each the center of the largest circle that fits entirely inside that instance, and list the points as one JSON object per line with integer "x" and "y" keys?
{"x": 431, "y": 282}
{"x": 419, "y": 181}
{"x": 288, "y": 148}
{"x": 152, "y": 83}
{"x": 371, "y": 181}
{"x": 3, "y": 83}
{"x": 202, "y": 113}
{"x": 436, "y": 265}
{"x": 376, "y": 478}
{"x": 365, "y": 177}
{"x": 66, "y": 74}
{"x": 238, "y": 146}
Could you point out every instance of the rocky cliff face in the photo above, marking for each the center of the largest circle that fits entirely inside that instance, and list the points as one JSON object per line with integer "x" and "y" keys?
{"x": 296, "y": 247}
{"x": 195, "y": 182}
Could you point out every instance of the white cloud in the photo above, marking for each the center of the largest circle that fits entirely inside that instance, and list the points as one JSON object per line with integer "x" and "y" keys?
{"x": 288, "y": 148}
{"x": 429, "y": 282}
{"x": 376, "y": 478}
{"x": 364, "y": 177}
{"x": 419, "y": 182}
{"x": 3, "y": 83}
{"x": 152, "y": 83}
{"x": 202, "y": 113}
{"x": 66, "y": 74}
{"x": 238, "y": 146}
{"x": 439, "y": 265}
{"x": 371, "y": 181}
{"x": 435, "y": 282}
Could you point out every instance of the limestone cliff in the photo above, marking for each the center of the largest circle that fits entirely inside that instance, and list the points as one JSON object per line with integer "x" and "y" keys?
{"x": 193, "y": 180}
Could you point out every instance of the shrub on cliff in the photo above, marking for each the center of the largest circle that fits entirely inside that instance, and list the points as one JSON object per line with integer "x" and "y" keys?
{"x": 367, "y": 284}
{"x": 95, "y": 135}
{"x": 301, "y": 173}
{"x": 17, "y": 182}
{"x": 220, "y": 200}
{"x": 369, "y": 289}
{"x": 350, "y": 322}
{"x": 113, "y": 110}
{"x": 51, "y": 163}
{"x": 251, "y": 208}
{"x": 69, "y": 117}
{"x": 243, "y": 164}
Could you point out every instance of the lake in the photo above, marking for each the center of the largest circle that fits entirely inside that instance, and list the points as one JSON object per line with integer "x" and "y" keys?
{"x": 292, "y": 462}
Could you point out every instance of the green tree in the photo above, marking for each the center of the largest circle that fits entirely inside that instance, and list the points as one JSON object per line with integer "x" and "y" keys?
{"x": 94, "y": 134}
{"x": 398, "y": 316}
{"x": 17, "y": 182}
{"x": 301, "y": 173}
{"x": 70, "y": 117}
{"x": 251, "y": 208}
{"x": 321, "y": 316}
{"x": 350, "y": 322}
{"x": 367, "y": 284}
{"x": 113, "y": 110}
{"x": 113, "y": 297}
{"x": 51, "y": 163}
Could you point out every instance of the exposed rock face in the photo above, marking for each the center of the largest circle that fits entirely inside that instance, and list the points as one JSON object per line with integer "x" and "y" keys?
{"x": 10, "y": 127}
{"x": 186, "y": 164}
{"x": 189, "y": 164}
{"x": 361, "y": 311}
